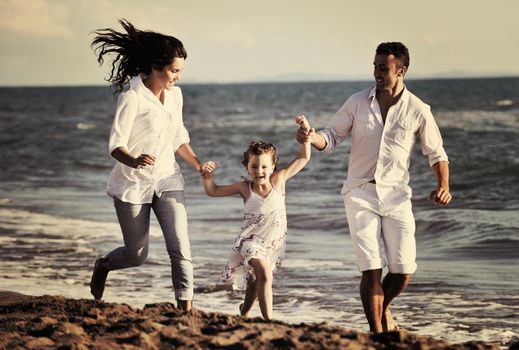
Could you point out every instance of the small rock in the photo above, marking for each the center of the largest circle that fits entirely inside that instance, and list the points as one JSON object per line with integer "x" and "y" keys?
{"x": 39, "y": 342}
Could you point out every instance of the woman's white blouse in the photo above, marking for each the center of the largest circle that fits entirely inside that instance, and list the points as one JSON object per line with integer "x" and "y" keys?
{"x": 145, "y": 126}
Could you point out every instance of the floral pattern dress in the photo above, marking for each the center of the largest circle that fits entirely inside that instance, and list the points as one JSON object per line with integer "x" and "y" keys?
{"x": 263, "y": 235}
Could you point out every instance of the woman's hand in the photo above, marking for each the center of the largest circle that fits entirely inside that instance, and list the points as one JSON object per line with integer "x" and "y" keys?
{"x": 122, "y": 155}
{"x": 142, "y": 161}
{"x": 207, "y": 169}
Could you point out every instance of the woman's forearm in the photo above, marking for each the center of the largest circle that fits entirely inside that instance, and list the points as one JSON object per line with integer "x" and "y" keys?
{"x": 186, "y": 152}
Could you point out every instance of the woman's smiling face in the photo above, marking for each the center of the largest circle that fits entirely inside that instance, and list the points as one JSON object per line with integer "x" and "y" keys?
{"x": 169, "y": 74}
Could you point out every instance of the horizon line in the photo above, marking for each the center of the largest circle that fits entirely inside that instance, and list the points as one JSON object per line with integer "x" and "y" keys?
{"x": 279, "y": 81}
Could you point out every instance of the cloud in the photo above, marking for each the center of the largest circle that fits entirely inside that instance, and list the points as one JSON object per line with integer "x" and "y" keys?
{"x": 38, "y": 18}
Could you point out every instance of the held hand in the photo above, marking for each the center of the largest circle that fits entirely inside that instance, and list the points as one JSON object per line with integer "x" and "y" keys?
{"x": 303, "y": 123}
{"x": 440, "y": 196}
{"x": 142, "y": 161}
{"x": 303, "y": 133}
{"x": 304, "y": 136}
{"x": 207, "y": 169}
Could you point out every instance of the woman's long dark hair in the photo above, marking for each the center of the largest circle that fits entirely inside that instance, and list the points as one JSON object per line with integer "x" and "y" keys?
{"x": 135, "y": 51}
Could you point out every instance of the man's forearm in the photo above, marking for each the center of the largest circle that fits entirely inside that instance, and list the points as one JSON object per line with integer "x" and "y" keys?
{"x": 318, "y": 141}
{"x": 441, "y": 172}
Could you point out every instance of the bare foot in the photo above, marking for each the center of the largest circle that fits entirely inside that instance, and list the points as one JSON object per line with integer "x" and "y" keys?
{"x": 97, "y": 283}
{"x": 242, "y": 314}
{"x": 185, "y": 305}
{"x": 388, "y": 324}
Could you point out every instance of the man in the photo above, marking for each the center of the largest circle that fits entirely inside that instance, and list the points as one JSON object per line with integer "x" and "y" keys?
{"x": 384, "y": 122}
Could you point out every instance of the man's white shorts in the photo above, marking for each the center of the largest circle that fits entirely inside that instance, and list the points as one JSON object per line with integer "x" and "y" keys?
{"x": 381, "y": 231}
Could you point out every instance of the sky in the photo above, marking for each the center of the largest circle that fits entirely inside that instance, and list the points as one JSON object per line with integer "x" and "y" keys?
{"x": 47, "y": 42}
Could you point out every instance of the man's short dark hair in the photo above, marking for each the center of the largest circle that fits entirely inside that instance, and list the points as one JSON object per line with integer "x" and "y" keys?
{"x": 396, "y": 49}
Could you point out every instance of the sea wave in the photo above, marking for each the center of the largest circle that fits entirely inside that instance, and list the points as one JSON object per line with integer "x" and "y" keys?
{"x": 473, "y": 233}
{"x": 479, "y": 120}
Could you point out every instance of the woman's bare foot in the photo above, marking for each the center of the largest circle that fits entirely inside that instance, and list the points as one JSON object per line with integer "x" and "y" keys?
{"x": 97, "y": 283}
{"x": 185, "y": 305}
{"x": 388, "y": 324}
{"x": 243, "y": 314}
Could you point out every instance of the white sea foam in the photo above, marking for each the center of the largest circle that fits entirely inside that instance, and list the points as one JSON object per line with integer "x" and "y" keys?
{"x": 26, "y": 222}
{"x": 504, "y": 103}
{"x": 85, "y": 126}
{"x": 82, "y": 231}
{"x": 312, "y": 264}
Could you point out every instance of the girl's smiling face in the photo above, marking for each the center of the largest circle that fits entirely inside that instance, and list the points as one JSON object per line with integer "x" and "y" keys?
{"x": 260, "y": 168}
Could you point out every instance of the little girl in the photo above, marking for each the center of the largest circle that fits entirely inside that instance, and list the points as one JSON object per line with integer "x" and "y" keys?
{"x": 259, "y": 248}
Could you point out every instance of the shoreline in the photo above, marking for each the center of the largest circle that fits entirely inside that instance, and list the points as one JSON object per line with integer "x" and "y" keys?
{"x": 48, "y": 322}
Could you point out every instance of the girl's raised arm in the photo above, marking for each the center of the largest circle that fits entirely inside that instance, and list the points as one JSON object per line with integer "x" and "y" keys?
{"x": 302, "y": 158}
{"x": 215, "y": 190}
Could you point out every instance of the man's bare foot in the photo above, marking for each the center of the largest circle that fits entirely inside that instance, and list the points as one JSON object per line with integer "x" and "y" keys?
{"x": 388, "y": 324}
{"x": 97, "y": 283}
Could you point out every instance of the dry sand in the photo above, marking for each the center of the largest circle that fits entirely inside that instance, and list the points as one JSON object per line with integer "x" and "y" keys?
{"x": 50, "y": 322}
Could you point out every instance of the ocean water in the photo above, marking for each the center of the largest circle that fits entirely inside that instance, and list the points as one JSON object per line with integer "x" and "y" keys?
{"x": 55, "y": 217}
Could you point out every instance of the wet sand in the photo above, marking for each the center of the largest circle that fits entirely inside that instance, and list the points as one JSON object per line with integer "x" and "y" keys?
{"x": 49, "y": 322}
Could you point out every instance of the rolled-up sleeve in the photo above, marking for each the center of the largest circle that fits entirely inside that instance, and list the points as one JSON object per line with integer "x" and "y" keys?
{"x": 431, "y": 140}
{"x": 182, "y": 135}
{"x": 127, "y": 105}
{"x": 339, "y": 127}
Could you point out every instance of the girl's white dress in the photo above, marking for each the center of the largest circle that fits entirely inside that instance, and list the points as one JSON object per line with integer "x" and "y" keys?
{"x": 263, "y": 235}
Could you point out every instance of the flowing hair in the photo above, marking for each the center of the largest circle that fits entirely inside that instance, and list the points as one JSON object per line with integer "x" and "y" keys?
{"x": 134, "y": 52}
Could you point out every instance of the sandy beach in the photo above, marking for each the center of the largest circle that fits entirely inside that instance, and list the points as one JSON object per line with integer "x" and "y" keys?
{"x": 49, "y": 322}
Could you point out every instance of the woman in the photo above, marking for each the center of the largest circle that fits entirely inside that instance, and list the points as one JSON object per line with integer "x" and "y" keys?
{"x": 146, "y": 134}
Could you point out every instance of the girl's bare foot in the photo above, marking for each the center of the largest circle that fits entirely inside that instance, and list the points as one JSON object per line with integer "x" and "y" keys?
{"x": 251, "y": 295}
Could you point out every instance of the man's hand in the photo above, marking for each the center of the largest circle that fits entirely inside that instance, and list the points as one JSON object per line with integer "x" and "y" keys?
{"x": 304, "y": 136}
{"x": 440, "y": 196}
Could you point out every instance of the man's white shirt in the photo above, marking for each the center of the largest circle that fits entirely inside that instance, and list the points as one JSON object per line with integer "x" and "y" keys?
{"x": 382, "y": 151}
